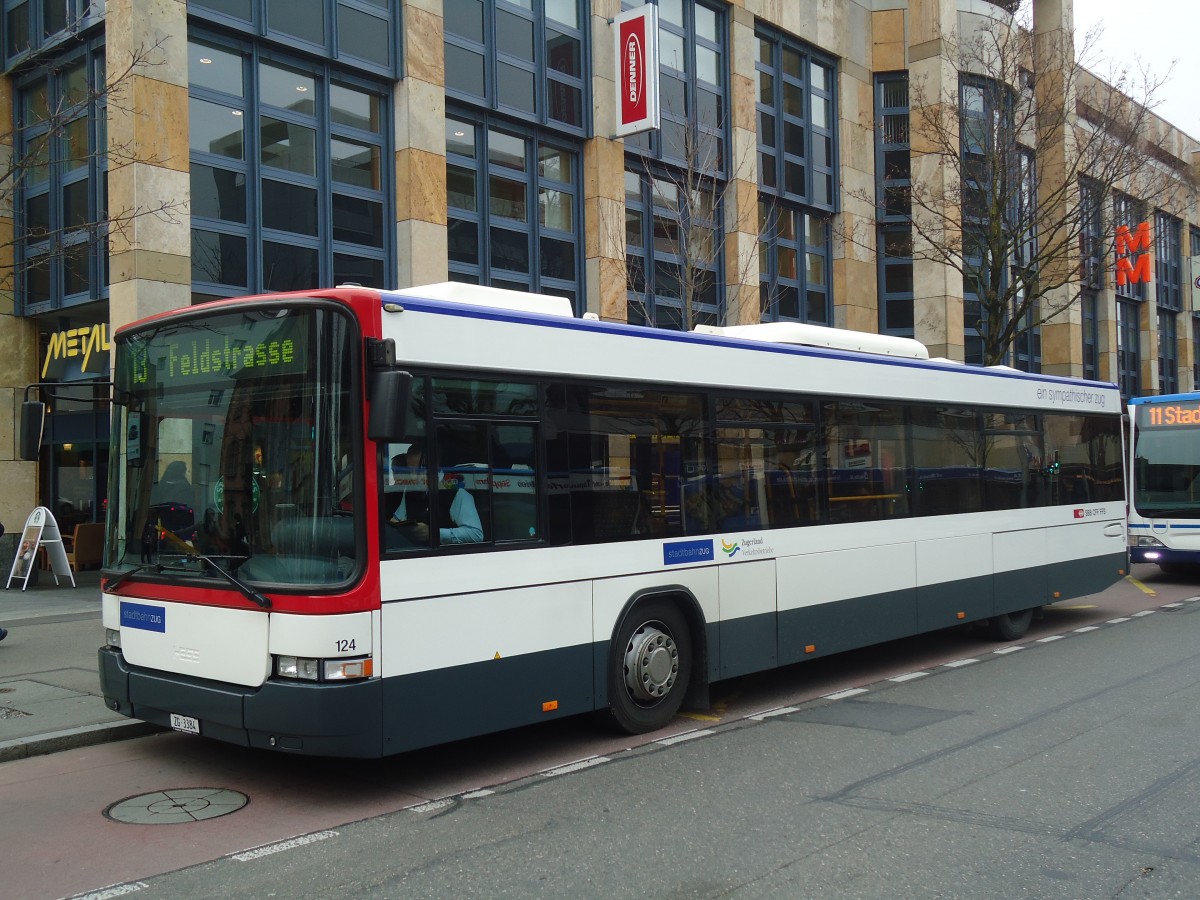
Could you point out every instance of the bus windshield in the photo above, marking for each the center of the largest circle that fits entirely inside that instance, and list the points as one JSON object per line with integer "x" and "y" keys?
{"x": 233, "y": 447}
{"x": 1167, "y": 464}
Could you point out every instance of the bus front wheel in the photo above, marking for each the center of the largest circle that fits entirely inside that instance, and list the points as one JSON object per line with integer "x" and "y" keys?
{"x": 1011, "y": 626}
{"x": 650, "y": 667}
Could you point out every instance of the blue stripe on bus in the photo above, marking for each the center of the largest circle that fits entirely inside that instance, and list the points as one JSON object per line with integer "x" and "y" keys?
{"x": 468, "y": 311}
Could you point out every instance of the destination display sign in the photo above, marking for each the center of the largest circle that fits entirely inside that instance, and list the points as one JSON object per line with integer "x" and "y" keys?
{"x": 217, "y": 349}
{"x": 1169, "y": 415}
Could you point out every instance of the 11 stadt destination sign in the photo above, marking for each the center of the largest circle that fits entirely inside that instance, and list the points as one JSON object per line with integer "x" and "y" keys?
{"x": 636, "y": 37}
{"x": 1172, "y": 414}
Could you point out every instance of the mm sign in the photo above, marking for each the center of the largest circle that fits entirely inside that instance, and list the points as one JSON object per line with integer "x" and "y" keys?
{"x": 636, "y": 35}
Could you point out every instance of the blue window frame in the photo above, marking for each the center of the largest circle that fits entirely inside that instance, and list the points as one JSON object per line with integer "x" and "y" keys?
{"x": 693, "y": 88}
{"x": 1168, "y": 351}
{"x": 358, "y": 34}
{"x": 1195, "y": 352}
{"x": 1091, "y": 273}
{"x": 987, "y": 118}
{"x": 513, "y": 206}
{"x": 1128, "y": 212}
{"x": 795, "y": 120}
{"x": 672, "y": 248}
{"x": 32, "y": 26}
{"x": 893, "y": 184}
{"x": 290, "y": 173}
{"x": 793, "y": 264}
{"x": 1129, "y": 357}
{"x": 797, "y": 157}
{"x": 61, "y": 200}
{"x": 1089, "y": 302}
{"x": 1168, "y": 289}
{"x": 1194, "y": 235}
{"x": 1168, "y": 261}
{"x": 525, "y": 58}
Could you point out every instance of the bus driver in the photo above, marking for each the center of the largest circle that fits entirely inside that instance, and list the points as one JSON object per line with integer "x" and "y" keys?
{"x": 413, "y": 522}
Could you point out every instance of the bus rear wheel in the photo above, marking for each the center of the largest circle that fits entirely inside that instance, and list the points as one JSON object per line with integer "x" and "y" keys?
{"x": 1011, "y": 626}
{"x": 650, "y": 667}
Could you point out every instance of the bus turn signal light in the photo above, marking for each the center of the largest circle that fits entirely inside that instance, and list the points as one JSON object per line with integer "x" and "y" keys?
{"x": 961, "y": 615}
{"x": 550, "y": 706}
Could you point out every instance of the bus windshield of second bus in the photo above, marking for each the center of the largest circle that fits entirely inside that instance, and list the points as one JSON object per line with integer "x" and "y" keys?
{"x": 1164, "y": 514}
{"x": 237, "y": 436}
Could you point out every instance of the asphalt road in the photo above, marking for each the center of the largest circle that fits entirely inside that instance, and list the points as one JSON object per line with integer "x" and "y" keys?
{"x": 1065, "y": 766}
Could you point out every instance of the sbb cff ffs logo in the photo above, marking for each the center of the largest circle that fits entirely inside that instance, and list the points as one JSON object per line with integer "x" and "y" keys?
{"x": 1089, "y": 513}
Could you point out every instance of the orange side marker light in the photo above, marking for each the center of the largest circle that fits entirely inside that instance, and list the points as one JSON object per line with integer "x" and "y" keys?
{"x": 550, "y": 706}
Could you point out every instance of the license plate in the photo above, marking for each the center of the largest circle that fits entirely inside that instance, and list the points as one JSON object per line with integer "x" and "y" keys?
{"x": 185, "y": 723}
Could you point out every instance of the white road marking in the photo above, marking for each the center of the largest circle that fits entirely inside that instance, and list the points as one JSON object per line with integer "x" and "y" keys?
{"x": 268, "y": 849}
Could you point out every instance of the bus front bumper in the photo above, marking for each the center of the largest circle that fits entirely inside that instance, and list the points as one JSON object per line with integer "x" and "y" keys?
{"x": 1164, "y": 556}
{"x": 343, "y": 719}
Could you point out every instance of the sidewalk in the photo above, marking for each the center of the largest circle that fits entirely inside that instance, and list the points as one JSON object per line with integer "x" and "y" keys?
{"x": 49, "y": 687}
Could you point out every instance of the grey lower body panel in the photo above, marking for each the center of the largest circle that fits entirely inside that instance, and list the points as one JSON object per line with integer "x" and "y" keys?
{"x": 382, "y": 716}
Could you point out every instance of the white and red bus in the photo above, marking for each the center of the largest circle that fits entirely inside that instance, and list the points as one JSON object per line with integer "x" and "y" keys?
{"x": 601, "y": 517}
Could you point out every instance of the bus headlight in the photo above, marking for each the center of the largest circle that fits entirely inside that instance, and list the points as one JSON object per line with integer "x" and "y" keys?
{"x": 306, "y": 668}
{"x": 1145, "y": 540}
{"x": 347, "y": 669}
{"x": 298, "y": 667}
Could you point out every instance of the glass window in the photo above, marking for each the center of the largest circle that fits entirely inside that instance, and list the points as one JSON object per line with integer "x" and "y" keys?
{"x": 625, "y": 465}
{"x": 219, "y": 258}
{"x": 866, "y": 475}
{"x": 787, "y": 293}
{"x": 304, "y": 19}
{"x": 60, "y": 201}
{"x": 492, "y": 181}
{"x": 361, "y": 34}
{"x": 679, "y": 249}
{"x": 355, "y": 163}
{"x": 358, "y": 34}
{"x": 237, "y": 463}
{"x": 796, "y": 121}
{"x": 216, "y": 129}
{"x": 321, "y": 131}
{"x": 947, "y": 460}
{"x": 289, "y": 207}
{"x": 287, "y": 145}
{"x": 287, "y": 89}
{"x": 534, "y": 52}
{"x": 214, "y": 68}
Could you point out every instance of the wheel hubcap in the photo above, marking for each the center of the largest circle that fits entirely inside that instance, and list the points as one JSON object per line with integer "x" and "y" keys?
{"x": 651, "y": 663}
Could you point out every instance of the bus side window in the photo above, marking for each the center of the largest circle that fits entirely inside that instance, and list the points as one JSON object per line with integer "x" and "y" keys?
{"x": 460, "y": 458}
{"x": 514, "y": 483}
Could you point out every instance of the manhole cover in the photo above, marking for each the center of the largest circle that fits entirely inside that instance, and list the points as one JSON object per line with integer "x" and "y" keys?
{"x": 177, "y": 805}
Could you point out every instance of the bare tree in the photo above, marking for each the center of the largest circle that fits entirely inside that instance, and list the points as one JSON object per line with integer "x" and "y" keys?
{"x": 697, "y": 212}
{"x": 27, "y": 160}
{"x": 1016, "y": 129}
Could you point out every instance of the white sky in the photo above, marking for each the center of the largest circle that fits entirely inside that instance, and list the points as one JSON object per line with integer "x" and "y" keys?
{"x": 1153, "y": 34}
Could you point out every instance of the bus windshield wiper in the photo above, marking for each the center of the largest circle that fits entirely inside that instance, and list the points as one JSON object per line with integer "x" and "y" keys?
{"x": 211, "y": 561}
{"x": 116, "y": 580}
